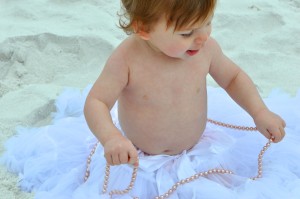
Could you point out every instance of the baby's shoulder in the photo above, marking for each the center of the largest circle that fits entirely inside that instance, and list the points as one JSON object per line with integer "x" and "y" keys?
{"x": 213, "y": 48}
{"x": 126, "y": 48}
{"x": 212, "y": 45}
{"x": 129, "y": 44}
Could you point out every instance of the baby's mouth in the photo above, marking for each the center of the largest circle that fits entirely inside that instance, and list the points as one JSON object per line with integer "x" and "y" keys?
{"x": 192, "y": 52}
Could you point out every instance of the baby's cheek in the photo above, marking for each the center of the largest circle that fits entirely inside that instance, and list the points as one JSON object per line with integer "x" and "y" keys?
{"x": 177, "y": 50}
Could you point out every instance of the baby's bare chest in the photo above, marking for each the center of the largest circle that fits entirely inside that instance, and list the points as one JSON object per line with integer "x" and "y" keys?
{"x": 170, "y": 85}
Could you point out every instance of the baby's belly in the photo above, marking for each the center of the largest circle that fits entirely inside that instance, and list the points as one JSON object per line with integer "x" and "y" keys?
{"x": 163, "y": 131}
{"x": 171, "y": 143}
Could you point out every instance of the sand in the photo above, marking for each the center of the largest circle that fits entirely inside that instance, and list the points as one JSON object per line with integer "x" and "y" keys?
{"x": 48, "y": 45}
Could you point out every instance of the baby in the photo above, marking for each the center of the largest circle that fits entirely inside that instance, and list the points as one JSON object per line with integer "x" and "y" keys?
{"x": 158, "y": 77}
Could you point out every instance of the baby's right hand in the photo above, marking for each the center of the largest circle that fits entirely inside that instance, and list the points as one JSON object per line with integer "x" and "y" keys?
{"x": 119, "y": 150}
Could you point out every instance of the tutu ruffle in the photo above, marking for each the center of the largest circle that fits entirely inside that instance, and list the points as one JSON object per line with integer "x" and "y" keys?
{"x": 51, "y": 160}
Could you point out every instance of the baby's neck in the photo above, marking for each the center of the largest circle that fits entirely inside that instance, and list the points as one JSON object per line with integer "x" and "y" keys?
{"x": 153, "y": 50}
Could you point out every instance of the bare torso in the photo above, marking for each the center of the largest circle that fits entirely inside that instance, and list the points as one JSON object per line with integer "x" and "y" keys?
{"x": 163, "y": 109}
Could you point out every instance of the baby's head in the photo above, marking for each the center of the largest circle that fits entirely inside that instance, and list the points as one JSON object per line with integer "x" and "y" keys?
{"x": 143, "y": 14}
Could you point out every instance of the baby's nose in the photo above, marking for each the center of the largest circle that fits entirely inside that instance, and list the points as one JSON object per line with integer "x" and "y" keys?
{"x": 201, "y": 37}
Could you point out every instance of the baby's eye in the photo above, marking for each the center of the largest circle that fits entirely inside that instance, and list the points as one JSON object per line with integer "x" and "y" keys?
{"x": 187, "y": 34}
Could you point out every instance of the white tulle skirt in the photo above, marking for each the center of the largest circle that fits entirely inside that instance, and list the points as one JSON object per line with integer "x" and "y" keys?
{"x": 51, "y": 160}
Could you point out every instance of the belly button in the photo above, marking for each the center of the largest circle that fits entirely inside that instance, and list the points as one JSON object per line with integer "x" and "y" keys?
{"x": 145, "y": 97}
{"x": 166, "y": 151}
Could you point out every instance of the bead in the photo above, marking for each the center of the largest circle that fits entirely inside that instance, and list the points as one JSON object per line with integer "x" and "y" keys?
{"x": 174, "y": 188}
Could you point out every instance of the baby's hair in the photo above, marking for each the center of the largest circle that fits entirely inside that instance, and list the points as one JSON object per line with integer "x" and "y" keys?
{"x": 143, "y": 14}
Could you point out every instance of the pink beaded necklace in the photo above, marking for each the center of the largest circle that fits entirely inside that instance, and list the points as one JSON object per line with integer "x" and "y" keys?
{"x": 183, "y": 181}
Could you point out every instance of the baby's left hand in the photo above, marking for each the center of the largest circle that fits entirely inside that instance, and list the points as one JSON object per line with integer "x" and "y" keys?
{"x": 270, "y": 125}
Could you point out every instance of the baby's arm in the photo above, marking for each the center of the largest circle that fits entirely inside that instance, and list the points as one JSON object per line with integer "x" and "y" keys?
{"x": 104, "y": 93}
{"x": 241, "y": 88}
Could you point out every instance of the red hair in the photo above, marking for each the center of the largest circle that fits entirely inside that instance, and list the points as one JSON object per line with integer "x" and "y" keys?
{"x": 180, "y": 13}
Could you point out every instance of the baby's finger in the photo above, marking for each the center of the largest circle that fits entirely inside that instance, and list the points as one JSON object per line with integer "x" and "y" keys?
{"x": 282, "y": 131}
{"x": 108, "y": 158}
{"x": 115, "y": 159}
{"x": 275, "y": 134}
{"x": 283, "y": 124}
{"x": 133, "y": 158}
{"x": 124, "y": 158}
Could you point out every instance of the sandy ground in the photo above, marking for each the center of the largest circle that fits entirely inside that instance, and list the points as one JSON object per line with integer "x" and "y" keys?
{"x": 47, "y": 45}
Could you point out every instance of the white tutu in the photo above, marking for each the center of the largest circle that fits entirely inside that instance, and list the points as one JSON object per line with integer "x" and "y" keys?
{"x": 51, "y": 160}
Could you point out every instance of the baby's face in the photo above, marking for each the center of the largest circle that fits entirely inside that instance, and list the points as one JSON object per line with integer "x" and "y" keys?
{"x": 183, "y": 43}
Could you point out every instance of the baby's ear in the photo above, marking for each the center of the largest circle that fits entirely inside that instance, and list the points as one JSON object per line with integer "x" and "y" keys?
{"x": 140, "y": 31}
{"x": 144, "y": 35}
